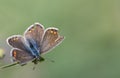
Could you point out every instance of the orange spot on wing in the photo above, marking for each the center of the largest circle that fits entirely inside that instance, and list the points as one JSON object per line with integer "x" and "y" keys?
{"x": 14, "y": 39}
{"x": 30, "y": 31}
{"x": 55, "y": 32}
{"x": 14, "y": 54}
{"x": 51, "y": 31}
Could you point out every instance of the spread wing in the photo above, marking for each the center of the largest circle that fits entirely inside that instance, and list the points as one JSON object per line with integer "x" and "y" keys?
{"x": 21, "y": 56}
{"x": 34, "y": 33}
{"x": 51, "y": 39}
{"x": 17, "y": 41}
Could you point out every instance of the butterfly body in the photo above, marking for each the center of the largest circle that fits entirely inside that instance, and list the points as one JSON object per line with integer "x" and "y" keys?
{"x": 33, "y": 48}
{"x": 33, "y": 43}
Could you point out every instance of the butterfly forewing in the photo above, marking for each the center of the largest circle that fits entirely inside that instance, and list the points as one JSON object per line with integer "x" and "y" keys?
{"x": 21, "y": 56}
{"x": 51, "y": 39}
{"x": 35, "y": 32}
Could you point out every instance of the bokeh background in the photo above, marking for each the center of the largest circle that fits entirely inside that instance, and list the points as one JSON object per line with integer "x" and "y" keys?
{"x": 91, "y": 48}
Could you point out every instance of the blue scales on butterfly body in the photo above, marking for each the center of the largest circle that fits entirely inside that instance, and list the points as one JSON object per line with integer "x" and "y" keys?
{"x": 33, "y": 48}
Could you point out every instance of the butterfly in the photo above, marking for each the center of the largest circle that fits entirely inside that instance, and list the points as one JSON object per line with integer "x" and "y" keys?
{"x": 35, "y": 41}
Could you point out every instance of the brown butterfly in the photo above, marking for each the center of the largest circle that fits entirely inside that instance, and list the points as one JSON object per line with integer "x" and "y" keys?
{"x": 35, "y": 41}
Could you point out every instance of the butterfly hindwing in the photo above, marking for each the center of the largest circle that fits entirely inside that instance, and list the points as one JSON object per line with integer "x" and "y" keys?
{"x": 51, "y": 39}
{"x": 21, "y": 56}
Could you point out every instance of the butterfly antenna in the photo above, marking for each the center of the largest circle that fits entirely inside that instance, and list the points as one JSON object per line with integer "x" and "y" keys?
{"x": 6, "y": 66}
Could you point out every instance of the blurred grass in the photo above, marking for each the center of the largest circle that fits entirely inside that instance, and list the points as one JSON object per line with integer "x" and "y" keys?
{"x": 91, "y": 27}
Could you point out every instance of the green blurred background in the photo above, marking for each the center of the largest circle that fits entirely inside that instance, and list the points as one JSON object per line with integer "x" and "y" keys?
{"x": 91, "y": 27}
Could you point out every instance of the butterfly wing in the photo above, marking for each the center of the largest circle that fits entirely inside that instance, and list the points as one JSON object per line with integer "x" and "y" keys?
{"x": 34, "y": 33}
{"x": 21, "y": 56}
{"x": 51, "y": 39}
{"x": 17, "y": 41}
